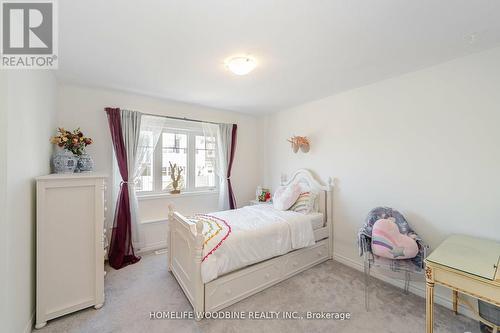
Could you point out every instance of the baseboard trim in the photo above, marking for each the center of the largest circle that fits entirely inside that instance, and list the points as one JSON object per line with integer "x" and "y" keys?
{"x": 414, "y": 289}
{"x": 29, "y": 325}
{"x": 162, "y": 220}
{"x": 152, "y": 247}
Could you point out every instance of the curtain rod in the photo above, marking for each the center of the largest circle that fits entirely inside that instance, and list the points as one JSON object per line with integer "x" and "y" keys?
{"x": 180, "y": 118}
{"x": 177, "y": 118}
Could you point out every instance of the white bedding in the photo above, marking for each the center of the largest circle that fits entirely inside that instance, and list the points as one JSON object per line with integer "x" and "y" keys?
{"x": 317, "y": 220}
{"x": 258, "y": 233}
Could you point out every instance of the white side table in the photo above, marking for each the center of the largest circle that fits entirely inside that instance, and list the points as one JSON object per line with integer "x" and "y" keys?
{"x": 257, "y": 202}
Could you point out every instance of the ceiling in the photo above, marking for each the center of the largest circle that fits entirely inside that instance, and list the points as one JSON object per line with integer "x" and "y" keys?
{"x": 305, "y": 49}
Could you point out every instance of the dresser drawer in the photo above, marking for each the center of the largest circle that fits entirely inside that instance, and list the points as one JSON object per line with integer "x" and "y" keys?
{"x": 234, "y": 287}
{"x": 297, "y": 261}
{"x": 474, "y": 287}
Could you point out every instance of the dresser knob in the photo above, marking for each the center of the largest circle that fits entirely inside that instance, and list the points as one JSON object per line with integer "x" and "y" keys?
{"x": 267, "y": 276}
{"x": 228, "y": 292}
{"x": 295, "y": 264}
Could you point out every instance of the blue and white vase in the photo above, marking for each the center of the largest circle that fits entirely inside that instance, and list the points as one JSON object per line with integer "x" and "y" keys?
{"x": 64, "y": 161}
{"x": 85, "y": 163}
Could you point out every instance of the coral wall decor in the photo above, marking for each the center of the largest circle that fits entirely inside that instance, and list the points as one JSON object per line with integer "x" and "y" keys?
{"x": 299, "y": 142}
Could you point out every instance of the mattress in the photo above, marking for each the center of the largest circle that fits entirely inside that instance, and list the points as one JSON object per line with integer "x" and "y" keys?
{"x": 245, "y": 236}
{"x": 317, "y": 220}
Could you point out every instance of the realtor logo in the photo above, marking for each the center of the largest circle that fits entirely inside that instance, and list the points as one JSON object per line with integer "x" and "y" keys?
{"x": 29, "y": 34}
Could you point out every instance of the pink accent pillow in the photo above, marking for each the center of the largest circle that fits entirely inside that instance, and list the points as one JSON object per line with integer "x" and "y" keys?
{"x": 388, "y": 242}
{"x": 286, "y": 196}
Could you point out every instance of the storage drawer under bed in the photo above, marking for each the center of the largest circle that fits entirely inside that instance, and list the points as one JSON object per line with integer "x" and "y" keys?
{"x": 240, "y": 284}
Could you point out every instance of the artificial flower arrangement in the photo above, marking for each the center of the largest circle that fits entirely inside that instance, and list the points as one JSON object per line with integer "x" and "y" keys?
{"x": 74, "y": 142}
{"x": 265, "y": 195}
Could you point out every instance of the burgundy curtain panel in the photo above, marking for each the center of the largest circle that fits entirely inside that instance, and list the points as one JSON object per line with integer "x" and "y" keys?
{"x": 232, "y": 199}
{"x": 121, "y": 251}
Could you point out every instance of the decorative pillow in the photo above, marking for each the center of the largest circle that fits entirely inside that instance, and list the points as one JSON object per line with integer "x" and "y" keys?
{"x": 304, "y": 203}
{"x": 285, "y": 196}
{"x": 313, "y": 204}
{"x": 388, "y": 242}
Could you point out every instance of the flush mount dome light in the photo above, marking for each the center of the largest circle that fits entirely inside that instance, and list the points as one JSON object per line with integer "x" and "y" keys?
{"x": 241, "y": 65}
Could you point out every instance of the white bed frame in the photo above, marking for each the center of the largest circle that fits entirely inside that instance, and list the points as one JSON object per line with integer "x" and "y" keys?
{"x": 185, "y": 254}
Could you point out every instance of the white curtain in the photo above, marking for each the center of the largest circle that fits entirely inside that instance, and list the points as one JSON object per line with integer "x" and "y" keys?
{"x": 131, "y": 131}
{"x": 223, "y": 135}
{"x": 140, "y": 132}
{"x": 151, "y": 128}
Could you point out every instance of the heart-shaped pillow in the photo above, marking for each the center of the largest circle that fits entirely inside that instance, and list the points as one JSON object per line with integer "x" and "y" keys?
{"x": 388, "y": 242}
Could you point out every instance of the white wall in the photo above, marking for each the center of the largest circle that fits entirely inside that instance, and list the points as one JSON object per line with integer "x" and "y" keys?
{"x": 28, "y": 121}
{"x": 3, "y": 195}
{"x": 83, "y": 107}
{"x": 426, "y": 143}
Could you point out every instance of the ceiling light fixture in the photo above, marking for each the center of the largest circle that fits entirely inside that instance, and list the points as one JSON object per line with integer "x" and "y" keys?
{"x": 241, "y": 65}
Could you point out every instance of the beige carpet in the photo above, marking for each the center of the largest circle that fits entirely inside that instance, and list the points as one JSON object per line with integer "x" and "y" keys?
{"x": 133, "y": 292}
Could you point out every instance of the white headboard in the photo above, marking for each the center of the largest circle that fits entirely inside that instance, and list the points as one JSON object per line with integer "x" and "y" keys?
{"x": 325, "y": 191}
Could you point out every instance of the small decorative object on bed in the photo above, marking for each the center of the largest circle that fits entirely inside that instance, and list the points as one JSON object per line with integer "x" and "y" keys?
{"x": 175, "y": 172}
{"x": 384, "y": 227}
{"x": 71, "y": 157}
{"x": 299, "y": 142}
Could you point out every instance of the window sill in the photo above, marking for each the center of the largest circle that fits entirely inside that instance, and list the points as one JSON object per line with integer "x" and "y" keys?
{"x": 155, "y": 196}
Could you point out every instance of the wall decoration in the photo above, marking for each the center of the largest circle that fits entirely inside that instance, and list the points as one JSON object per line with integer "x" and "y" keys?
{"x": 299, "y": 142}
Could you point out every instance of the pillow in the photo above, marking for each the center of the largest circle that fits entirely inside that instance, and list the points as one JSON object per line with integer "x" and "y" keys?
{"x": 388, "y": 242}
{"x": 305, "y": 203}
{"x": 315, "y": 195}
{"x": 285, "y": 196}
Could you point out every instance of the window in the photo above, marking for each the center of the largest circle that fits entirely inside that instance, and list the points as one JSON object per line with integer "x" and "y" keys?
{"x": 145, "y": 181}
{"x": 205, "y": 161}
{"x": 189, "y": 149}
{"x": 174, "y": 150}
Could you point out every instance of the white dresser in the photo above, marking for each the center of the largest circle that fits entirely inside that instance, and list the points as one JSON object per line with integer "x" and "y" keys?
{"x": 69, "y": 244}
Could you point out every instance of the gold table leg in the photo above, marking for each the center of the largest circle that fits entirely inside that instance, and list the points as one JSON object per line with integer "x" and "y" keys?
{"x": 429, "y": 306}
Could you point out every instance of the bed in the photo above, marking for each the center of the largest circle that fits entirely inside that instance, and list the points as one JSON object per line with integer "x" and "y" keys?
{"x": 256, "y": 247}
